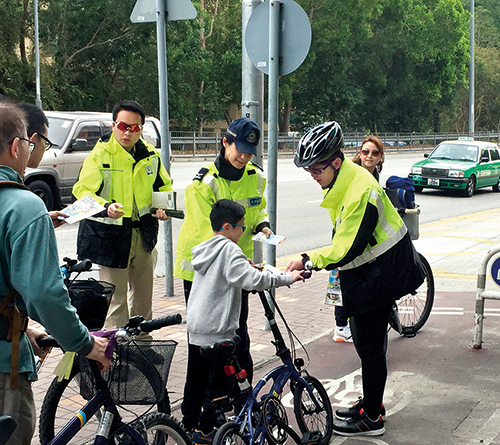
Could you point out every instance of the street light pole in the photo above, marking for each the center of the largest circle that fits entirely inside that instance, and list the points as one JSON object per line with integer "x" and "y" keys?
{"x": 471, "y": 72}
{"x": 38, "y": 100}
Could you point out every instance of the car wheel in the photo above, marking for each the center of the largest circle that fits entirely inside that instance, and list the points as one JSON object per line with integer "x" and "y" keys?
{"x": 43, "y": 191}
{"x": 496, "y": 187}
{"x": 418, "y": 189}
{"x": 471, "y": 186}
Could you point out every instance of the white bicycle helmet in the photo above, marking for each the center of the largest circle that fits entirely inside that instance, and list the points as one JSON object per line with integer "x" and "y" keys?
{"x": 319, "y": 144}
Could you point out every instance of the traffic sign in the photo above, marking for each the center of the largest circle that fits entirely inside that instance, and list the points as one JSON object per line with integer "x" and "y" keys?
{"x": 295, "y": 37}
{"x": 495, "y": 271}
{"x": 145, "y": 11}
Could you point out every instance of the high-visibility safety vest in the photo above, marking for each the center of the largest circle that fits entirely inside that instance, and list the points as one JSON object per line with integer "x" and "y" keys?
{"x": 347, "y": 201}
{"x": 207, "y": 188}
{"x": 110, "y": 173}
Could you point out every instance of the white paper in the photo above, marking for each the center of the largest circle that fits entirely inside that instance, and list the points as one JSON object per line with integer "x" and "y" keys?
{"x": 81, "y": 209}
{"x": 273, "y": 239}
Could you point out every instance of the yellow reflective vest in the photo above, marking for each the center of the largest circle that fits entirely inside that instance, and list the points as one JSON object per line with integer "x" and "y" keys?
{"x": 355, "y": 193}
{"x": 111, "y": 174}
{"x": 207, "y": 188}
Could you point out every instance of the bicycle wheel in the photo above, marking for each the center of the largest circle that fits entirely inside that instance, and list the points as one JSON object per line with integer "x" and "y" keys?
{"x": 414, "y": 309}
{"x": 64, "y": 399}
{"x": 229, "y": 434}
{"x": 311, "y": 418}
{"x": 158, "y": 429}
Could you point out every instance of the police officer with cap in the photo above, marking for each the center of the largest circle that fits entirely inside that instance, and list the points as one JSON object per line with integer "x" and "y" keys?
{"x": 230, "y": 176}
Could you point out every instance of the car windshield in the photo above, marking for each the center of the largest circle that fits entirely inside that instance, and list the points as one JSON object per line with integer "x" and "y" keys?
{"x": 455, "y": 152}
{"x": 58, "y": 130}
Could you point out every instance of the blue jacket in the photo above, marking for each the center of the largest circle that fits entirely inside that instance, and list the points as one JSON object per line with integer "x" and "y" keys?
{"x": 29, "y": 263}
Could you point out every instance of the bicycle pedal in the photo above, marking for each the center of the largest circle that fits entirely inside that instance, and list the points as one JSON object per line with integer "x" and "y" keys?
{"x": 311, "y": 438}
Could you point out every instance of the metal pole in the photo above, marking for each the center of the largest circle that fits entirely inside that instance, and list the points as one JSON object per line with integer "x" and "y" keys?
{"x": 272, "y": 111}
{"x": 252, "y": 96}
{"x": 471, "y": 72}
{"x": 161, "y": 18}
{"x": 38, "y": 100}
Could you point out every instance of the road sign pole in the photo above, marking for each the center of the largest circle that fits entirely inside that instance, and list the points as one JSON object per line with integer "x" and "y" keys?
{"x": 252, "y": 96}
{"x": 272, "y": 110}
{"x": 161, "y": 18}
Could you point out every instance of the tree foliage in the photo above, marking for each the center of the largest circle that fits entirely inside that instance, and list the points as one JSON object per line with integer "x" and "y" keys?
{"x": 374, "y": 65}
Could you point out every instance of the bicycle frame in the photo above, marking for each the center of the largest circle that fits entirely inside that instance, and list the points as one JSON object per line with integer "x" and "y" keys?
{"x": 107, "y": 425}
{"x": 280, "y": 376}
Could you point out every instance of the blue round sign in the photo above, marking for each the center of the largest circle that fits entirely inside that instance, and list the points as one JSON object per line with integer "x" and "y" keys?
{"x": 495, "y": 271}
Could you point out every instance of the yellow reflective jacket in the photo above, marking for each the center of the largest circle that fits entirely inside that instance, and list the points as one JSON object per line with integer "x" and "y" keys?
{"x": 356, "y": 198}
{"x": 207, "y": 188}
{"x": 111, "y": 174}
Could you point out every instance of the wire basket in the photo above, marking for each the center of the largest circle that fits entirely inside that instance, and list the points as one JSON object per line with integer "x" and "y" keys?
{"x": 138, "y": 374}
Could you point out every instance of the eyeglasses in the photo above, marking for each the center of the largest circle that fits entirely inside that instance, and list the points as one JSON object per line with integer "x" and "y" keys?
{"x": 235, "y": 225}
{"x": 316, "y": 171}
{"x": 31, "y": 144}
{"x": 48, "y": 144}
{"x": 133, "y": 128}
{"x": 366, "y": 152}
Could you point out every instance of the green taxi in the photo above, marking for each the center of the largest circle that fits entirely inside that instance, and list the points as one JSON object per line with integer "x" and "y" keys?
{"x": 462, "y": 165}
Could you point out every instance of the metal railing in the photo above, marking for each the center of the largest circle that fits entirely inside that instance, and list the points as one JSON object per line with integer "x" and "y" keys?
{"x": 207, "y": 143}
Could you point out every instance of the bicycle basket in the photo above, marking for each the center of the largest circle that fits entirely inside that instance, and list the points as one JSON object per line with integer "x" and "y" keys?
{"x": 91, "y": 299}
{"x": 138, "y": 374}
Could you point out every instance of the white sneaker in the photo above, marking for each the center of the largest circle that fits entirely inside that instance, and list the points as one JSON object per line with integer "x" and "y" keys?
{"x": 342, "y": 334}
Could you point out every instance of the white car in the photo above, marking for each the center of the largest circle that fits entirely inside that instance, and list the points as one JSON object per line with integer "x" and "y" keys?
{"x": 74, "y": 134}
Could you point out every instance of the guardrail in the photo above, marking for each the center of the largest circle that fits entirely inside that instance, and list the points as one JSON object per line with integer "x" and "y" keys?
{"x": 481, "y": 295}
{"x": 202, "y": 144}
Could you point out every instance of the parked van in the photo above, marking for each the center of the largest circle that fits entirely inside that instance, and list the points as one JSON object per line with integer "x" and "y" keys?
{"x": 73, "y": 134}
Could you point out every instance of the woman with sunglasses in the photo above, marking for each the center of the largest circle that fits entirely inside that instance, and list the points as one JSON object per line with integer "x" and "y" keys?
{"x": 371, "y": 157}
{"x": 231, "y": 176}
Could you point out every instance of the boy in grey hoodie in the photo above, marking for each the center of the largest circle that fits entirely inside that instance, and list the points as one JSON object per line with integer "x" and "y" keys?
{"x": 221, "y": 271}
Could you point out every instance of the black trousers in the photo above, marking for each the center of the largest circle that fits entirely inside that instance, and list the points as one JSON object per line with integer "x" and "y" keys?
{"x": 198, "y": 374}
{"x": 369, "y": 333}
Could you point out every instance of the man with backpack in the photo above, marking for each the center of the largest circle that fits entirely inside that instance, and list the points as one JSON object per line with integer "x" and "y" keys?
{"x": 31, "y": 284}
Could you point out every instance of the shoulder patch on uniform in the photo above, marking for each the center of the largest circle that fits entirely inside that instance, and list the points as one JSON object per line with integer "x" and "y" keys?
{"x": 106, "y": 166}
{"x": 199, "y": 176}
{"x": 251, "y": 172}
{"x": 257, "y": 165}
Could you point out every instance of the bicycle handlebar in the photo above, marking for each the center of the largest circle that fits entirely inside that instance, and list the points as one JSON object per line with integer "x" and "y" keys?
{"x": 409, "y": 211}
{"x": 82, "y": 266}
{"x": 158, "y": 323}
{"x": 47, "y": 342}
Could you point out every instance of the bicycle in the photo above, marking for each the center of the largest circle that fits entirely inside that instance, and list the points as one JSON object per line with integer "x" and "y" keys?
{"x": 136, "y": 376}
{"x": 412, "y": 311}
{"x": 263, "y": 419}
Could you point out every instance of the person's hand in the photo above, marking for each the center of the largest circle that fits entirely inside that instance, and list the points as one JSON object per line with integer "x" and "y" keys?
{"x": 54, "y": 215}
{"x": 255, "y": 265}
{"x": 98, "y": 353}
{"x": 115, "y": 210}
{"x": 294, "y": 265}
{"x": 297, "y": 275}
{"x": 33, "y": 334}
{"x": 161, "y": 215}
{"x": 267, "y": 231}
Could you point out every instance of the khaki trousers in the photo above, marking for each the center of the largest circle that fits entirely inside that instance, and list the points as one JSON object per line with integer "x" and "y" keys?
{"x": 134, "y": 285}
{"x": 18, "y": 403}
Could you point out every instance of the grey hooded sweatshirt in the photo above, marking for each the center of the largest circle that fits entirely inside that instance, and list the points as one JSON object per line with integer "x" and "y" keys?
{"x": 221, "y": 271}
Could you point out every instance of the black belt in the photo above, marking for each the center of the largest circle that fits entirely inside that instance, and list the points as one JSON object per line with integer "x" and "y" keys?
{"x": 136, "y": 224}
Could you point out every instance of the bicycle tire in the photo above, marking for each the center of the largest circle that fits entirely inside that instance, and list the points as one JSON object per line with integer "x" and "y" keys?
{"x": 309, "y": 419}
{"x": 414, "y": 309}
{"x": 158, "y": 429}
{"x": 63, "y": 400}
{"x": 229, "y": 434}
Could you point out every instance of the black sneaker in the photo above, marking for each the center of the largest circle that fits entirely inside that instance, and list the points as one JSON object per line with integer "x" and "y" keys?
{"x": 360, "y": 425}
{"x": 346, "y": 413}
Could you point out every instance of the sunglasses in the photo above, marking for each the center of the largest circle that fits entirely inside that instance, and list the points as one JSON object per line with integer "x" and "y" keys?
{"x": 374, "y": 153}
{"x": 48, "y": 144}
{"x": 133, "y": 128}
{"x": 316, "y": 171}
{"x": 31, "y": 144}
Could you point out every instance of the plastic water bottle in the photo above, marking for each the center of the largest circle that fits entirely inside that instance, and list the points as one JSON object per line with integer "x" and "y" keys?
{"x": 333, "y": 292}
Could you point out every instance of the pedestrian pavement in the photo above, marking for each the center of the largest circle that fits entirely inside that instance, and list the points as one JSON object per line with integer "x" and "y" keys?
{"x": 454, "y": 248}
